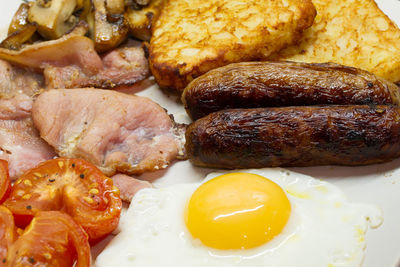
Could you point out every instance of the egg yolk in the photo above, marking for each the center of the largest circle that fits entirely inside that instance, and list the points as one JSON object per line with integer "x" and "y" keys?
{"x": 237, "y": 211}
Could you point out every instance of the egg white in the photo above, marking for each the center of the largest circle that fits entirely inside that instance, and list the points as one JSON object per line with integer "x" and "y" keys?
{"x": 324, "y": 229}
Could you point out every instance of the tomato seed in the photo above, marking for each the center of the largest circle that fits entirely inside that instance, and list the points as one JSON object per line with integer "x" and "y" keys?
{"x": 93, "y": 185}
{"x": 115, "y": 189}
{"x": 93, "y": 191}
{"x": 26, "y": 197}
{"x": 88, "y": 200}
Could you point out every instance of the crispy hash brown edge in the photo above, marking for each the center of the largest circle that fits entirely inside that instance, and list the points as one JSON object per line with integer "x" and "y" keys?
{"x": 175, "y": 75}
{"x": 353, "y": 33}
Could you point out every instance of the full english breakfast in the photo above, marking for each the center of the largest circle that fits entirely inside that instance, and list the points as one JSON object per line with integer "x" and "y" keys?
{"x": 266, "y": 84}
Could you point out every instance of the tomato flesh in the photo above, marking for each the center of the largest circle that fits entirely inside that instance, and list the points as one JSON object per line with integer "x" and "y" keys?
{"x": 5, "y": 183}
{"x": 7, "y": 233}
{"x": 52, "y": 239}
{"x": 70, "y": 185}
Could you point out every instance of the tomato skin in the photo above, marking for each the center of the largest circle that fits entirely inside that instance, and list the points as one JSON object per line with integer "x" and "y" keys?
{"x": 7, "y": 233}
{"x": 5, "y": 183}
{"x": 70, "y": 185}
{"x": 52, "y": 239}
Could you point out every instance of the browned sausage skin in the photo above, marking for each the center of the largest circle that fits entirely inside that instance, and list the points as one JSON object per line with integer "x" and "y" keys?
{"x": 295, "y": 136}
{"x": 274, "y": 84}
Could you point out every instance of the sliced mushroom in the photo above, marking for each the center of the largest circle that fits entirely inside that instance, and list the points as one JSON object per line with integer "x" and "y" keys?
{"x": 87, "y": 9}
{"x": 115, "y": 6}
{"x": 138, "y": 2}
{"x": 20, "y": 19}
{"x": 141, "y": 21}
{"x": 80, "y": 4}
{"x": 15, "y": 40}
{"x": 53, "y": 17}
{"x": 20, "y": 31}
{"x": 108, "y": 30}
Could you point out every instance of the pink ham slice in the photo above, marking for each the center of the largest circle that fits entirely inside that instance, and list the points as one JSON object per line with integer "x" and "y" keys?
{"x": 129, "y": 186}
{"x": 20, "y": 143}
{"x": 115, "y": 131}
{"x": 14, "y": 80}
{"x": 17, "y": 107}
{"x": 121, "y": 67}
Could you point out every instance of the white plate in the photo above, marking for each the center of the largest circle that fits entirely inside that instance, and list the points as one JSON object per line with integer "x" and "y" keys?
{"x": 378, "y": 184}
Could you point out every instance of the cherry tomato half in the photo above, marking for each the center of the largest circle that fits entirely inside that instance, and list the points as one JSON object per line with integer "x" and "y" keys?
{"x": 52, "y": 239}
{"x": 5, "y": 183}
{"x": 7, "y": 233}
{"x": 71, "y": 185}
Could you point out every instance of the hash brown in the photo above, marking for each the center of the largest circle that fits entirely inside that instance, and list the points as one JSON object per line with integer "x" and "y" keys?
{"x": 193, "y": 36}
{"x": 350, "y": 32}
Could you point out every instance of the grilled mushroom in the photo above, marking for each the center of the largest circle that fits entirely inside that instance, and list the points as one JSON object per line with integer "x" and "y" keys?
{"x": 80, "y": 4}
{"x": 115, "y": 7}
{"x": 108, "y": 30}
{"x": 53, "y": 17}
{"x": 141, "y": 21}
{"x": 137, "y": 2}
{"x": 20, "y": 31}
{"x": 20, "y": 19}
{"x": 16, "y": 40}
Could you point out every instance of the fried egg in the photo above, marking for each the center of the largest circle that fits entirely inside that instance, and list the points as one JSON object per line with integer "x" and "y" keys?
{"x": 259, "y": 217}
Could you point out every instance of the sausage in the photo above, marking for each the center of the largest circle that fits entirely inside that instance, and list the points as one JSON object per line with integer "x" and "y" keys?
{"x": 274, "y": 84}
{"x": 295, "y": 136}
